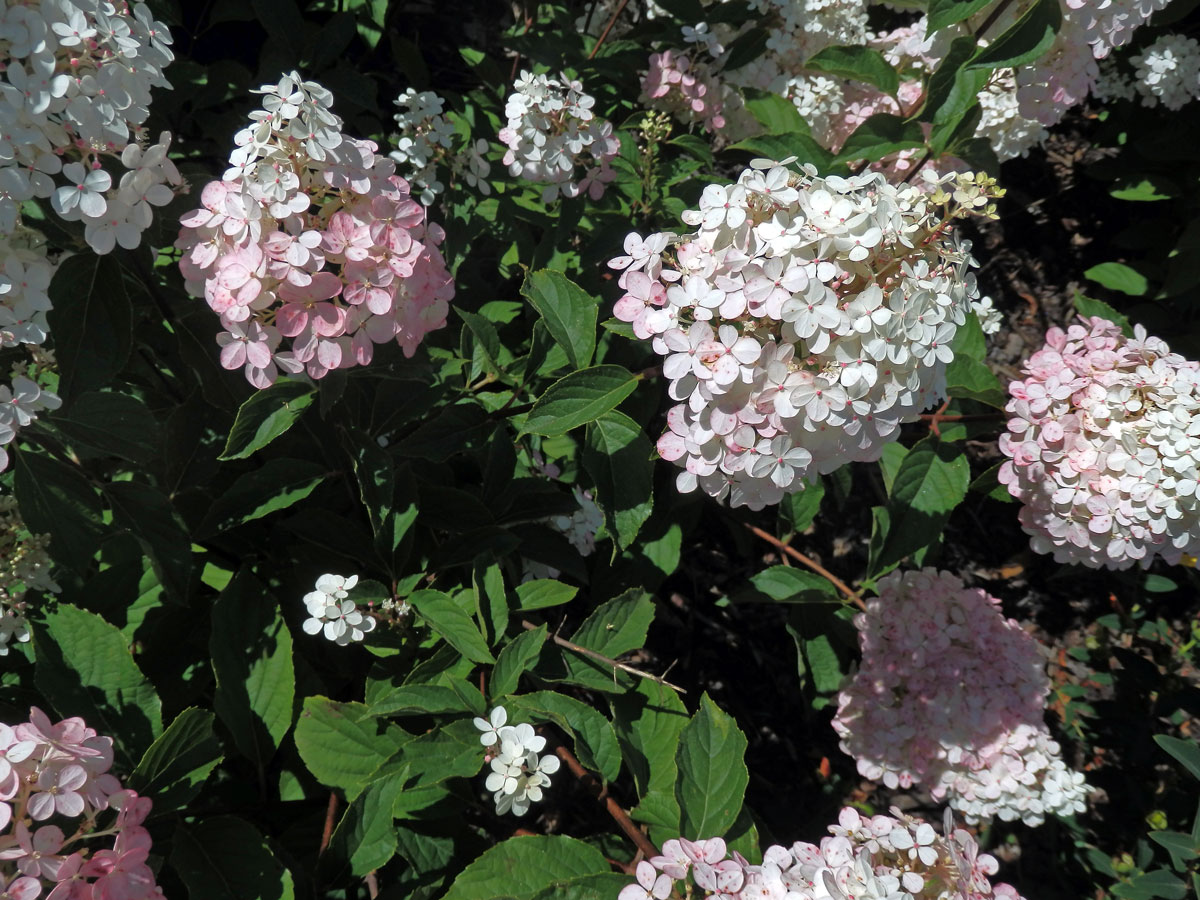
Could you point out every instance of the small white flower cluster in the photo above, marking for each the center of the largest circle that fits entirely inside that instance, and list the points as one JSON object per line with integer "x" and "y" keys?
{"x": 25, "y": 274}
{"x": 1018, "y": 776}
{"x": 426, "y": 141}
{"x": 1002, "y": 125}
{"x": 553, "y": 138}
{"x": 990, "y": 318}
{"x": 331, "y": 611}
{"x": 580, "y": 527}
{"x": 76, "y": 86}
{"x": 24, "y": 566}
{"x": 1168, "y": 71}
{"x": 518, "y": 774}
{"x": 804, "y": 321}
{"x": 1103, "y": 444}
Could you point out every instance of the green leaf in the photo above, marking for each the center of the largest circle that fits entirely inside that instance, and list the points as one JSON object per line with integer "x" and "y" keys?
{"x": 648, "y": 720}
{"x": 579, "y": 398}
{"x": 91, "y": 321}
{"x": 453, "y": 430}
{"x": 486, "y": 337}
{"x": 429, "y": 761}
{"x": 1180, "y": 845}
{"x": 340, "y": 743}
{"x": 278, "y": 484}
{"x": 776, "y": 114}
{"x": 84, "y": 668}
{"x": 1159, "y": 883}
{"x": 251, "y": 651}
{"x": 568, "y": 311}
{"x": 366, "y": 835}
{"x": 989, "y": 485}
{"x": 175, "y": 767}
{"x": 1118, "y": 277}
{"x": 800, "y": 509}
{"x": 149, "y": 516}
{"x": 111, "y": 425}
{"x": 590, "y": 887}
{"x": 701, "y": 150}
{"x": 615, "y": 628}
{"x": 447, "y": 619}
{"x": 595, "y": 741}
{"x": 780, "y": 146}
{"x": 880, "y": 135}
{"x": 784, "y": 584}
{"x": 389, "y": 496}
{"x": 1148, "y": 189}
{"x": 712, "y": 772}
{"x": 58, "y": 500}
{"x": 931, "y": 482}
{"x": 1086, "y": 306}
{"x": 618, "y": 456}
{"x": 522, "y": 867}
{"x": 943, "y": 13}
{"x": 543, "y": 592}
{"x": 226, "y": 858}
{"x": 1027, "y": 39}
{"x": 953, "y": 88}
{"x": 516, "y": 657}
{"x": 267, "y": 415}
{"x": 970, "y": 379}
{"x": 1185, "y": 752}
{"x": 859, "y": 63}
{"x": 416, "y": 699}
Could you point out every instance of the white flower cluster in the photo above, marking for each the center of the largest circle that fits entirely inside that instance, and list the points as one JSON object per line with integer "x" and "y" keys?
{"x": 1002, "y": 125}
{"x": 553, "y": 138}
{"x": 426, "y": 141}
{"x": 518, "y": 774}
{"x": 1168, "y": 71}
{"x": 76, "y": 87}
{"x": 25, "y": 274}
{"x": 1019, "y": 776}
{"x": 990, "y": 318}
{"x": 801, "y": 324}
{"x": 24, "y": 566}
{"x": 1103, "y": 443}
{"x": 580, "y": 527}
{"x": 332, "y": 612}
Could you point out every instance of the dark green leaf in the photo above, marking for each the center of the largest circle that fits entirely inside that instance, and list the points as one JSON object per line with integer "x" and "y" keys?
{"x": 1157, "y": 884}
{"x": 366, "y": 835}
{"x": 784, "y": 584}
{"x": 455, "y": 429}
{"x": 175, "y": 767}
{"x": 278, "y": 484}
{"x": 57, "y": 499}
{"x": 776, "y": 114}
{"x": 568, "y": 311}
{"x": 516, "y": 657}
{"x": 1118, "y": 277}
{"x": 91, "y": 322}
{"x": 1027, "y": 39}
{"x": 618, "y": 457}
{"x": 800, "y": 509}
{"x": 615, "y": 628}
{"x": 226, "y": 858}
{"x": 1185, "y": 752}
{"x": 543, "y": 592}
{"x": 267, "y": 415}
{"x": 251, "y": 650}
{"x": 858, "y": 63}
{"x": 1178, "y": 844}
{"x": 109, "y": 424}
{"x": 522, "y": 867}
{"x": 880, "y": 135}
{"x": 148, "y": 515}
{"x": 1086, "y": 306}
{"x": 595, "y": 741}
{"x": 943, "y": 13}
{"x": 341, "y": 745}
{"x": 578, "y": 399}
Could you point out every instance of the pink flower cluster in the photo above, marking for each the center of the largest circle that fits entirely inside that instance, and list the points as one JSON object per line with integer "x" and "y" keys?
{"x": 884, "y": 857}
{"x": 686, "y": 86}
{"x": 311, "y": 237}
{"x": 53, "y": 774}
{"x": 949, "y": 688}
{"x": 1103, "y": 441}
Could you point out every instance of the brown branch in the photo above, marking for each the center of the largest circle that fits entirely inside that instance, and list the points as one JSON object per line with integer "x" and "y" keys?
{"x": 330, "y": 815}
{"x": 608, "y": 661}
{"x": 614, "y": 809}
{"x": 851, "y": 595}
{"x": 607, "y": 28}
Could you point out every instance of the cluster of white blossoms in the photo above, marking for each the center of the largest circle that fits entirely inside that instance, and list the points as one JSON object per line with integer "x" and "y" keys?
{"x": 990, "y": 318}
{"x": 427, "y": 142}
{"x": 24, "y": 567}
{"x": 553, "y": 138}
{"x": 1103, "y": 443}
{"x": 332, "y": 613}
{"x": 802, "y": 323}
{"x": 896, "y": 857}
{"x": 1168, "y": 71}
{"x": 76, "y": 92}
{"x": 25, "y": 273}
{"x": 518, "y": 773}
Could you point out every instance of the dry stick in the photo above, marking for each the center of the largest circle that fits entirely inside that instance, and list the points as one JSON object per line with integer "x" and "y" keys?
{"x": 811, "y": 563}
{"x": 608, "y": 28}
{"x": 330, "y": 815}
{"x": 614, "y": 809}
{"x": 608, "y": 661}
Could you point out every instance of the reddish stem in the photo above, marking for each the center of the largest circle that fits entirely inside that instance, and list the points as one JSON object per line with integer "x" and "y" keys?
{"x": 614, "y": 809}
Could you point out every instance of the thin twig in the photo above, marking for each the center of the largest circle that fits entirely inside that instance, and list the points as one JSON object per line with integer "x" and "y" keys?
{"x": 614, "y": 809}
{"x": 851, "y": 595}
{"x": 608, "y": 661}
{"x": 607, "y": 28}
{"x": 372, "y": 885}
{"x": 330, "y": 815}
